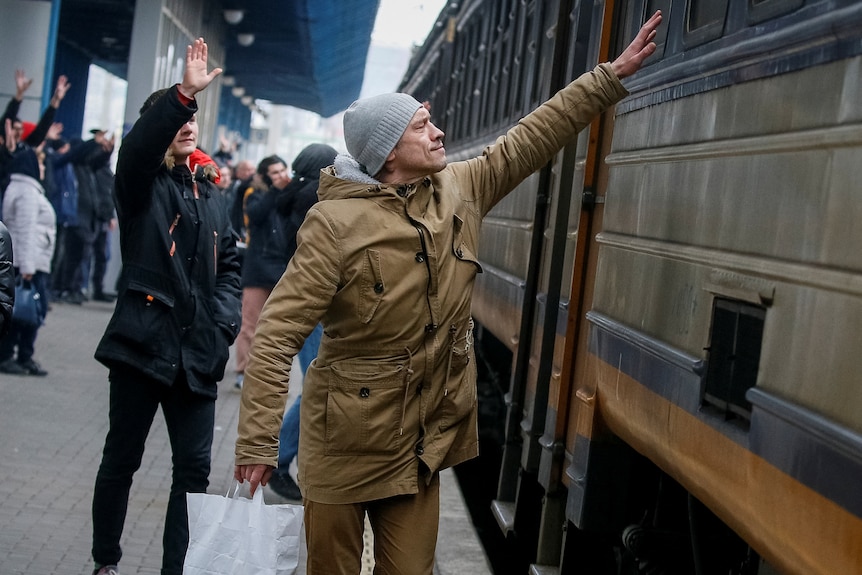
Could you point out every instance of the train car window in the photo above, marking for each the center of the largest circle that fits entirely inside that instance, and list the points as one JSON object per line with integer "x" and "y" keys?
{"x": 507, "y": 54}
{"x": 475, "y": 61}
{"x": 734, "y": 355}
{"x": 521, "y": 59}
{"x": 760, "y": 10}
{"x": 661, "y": 33}
{"x": 538, "y": 78}
{"x": 704, "y": 21}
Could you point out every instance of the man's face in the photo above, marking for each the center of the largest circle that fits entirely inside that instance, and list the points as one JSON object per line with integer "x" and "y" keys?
{"x": 420, "y": 150}
{"x": 226, "y": 177}
{"x": 185, "y": 141}
{"x": 244, "y": 170}
{"x": 277, "y": 173}
{"x": 18, "y": 128}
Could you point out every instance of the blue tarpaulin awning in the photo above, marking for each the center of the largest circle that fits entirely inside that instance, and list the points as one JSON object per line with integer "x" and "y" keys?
{"x": 310, "y": 54}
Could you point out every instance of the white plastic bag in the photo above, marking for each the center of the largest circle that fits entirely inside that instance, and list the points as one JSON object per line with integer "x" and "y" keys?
{"x": 236, "y": 535}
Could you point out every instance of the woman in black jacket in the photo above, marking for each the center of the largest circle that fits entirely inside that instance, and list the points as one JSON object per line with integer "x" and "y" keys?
{"x": 266, "y": 254}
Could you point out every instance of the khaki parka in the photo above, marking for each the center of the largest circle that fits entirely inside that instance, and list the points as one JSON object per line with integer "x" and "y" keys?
{"x": 389, "y": 272}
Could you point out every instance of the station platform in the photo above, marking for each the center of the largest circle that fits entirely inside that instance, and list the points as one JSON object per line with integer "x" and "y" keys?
{"x": 52, "y": 430}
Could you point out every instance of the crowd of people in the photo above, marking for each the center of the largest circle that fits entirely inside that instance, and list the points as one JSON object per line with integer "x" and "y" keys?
{"x": 359, "y": 264}
{"x": 57, "y": 206}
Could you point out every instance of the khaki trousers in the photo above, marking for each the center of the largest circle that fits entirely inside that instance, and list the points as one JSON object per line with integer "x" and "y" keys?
{"x": 404, "y": 527}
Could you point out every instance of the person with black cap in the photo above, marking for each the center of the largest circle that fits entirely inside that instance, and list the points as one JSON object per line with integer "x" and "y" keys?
{"x": 386, "y": 261}
{"x": 298, "y": 197}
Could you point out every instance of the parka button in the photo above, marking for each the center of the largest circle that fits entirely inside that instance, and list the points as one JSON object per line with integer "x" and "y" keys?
{"x": 419, "y": 449}
{"x": 429, "y": 327}
{"x": 420, "y": 257}
{"x": 378, "y": 287}
{"x": 364, "y": 392}
{"x": 459, "y": 252}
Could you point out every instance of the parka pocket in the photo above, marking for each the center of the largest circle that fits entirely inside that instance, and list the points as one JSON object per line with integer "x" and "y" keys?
{"x": 459, "y": 390}
{"x": 364, "y": 409}
{"x": 372, "y": 286}
{"x": 208, "y": 351}
{"x": 145, "y": 318}
{"x": 460, "y": 247}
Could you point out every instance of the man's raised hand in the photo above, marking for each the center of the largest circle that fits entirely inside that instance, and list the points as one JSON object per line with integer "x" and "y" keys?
{"x": 639, "y": 50}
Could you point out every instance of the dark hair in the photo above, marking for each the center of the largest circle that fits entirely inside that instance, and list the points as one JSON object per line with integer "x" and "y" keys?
{"x": 152, "y": 100}
{"x": 263, "y": 167}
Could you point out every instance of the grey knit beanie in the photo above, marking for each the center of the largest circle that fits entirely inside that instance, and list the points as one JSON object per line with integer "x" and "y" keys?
{"x": 372, "y": 127}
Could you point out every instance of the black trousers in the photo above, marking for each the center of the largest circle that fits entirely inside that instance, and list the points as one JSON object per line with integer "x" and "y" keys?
{"x": 190, "y": 419}
{"x": 100, "y": 260}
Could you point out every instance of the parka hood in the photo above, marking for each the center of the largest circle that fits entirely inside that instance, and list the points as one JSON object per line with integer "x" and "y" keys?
{"x": 345, "y": 179}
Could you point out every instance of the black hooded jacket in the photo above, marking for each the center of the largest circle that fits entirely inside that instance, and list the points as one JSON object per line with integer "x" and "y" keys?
{"x": 301, "y": 193}
{"x": 275, "y": 216}
{"x": 178, "y": 305}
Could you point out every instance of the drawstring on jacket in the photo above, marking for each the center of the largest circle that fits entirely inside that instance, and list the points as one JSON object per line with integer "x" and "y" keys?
{"x": 408, "y": 373}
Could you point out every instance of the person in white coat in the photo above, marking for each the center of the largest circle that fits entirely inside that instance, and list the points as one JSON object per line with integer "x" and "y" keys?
{"x": 32, "y": 224}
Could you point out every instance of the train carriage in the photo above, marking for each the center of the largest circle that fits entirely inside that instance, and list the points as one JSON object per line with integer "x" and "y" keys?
{"x": 673, "y": 306}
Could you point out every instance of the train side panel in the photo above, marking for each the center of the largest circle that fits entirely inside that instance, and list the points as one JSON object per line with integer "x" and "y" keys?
{"x": 727, "y": 292}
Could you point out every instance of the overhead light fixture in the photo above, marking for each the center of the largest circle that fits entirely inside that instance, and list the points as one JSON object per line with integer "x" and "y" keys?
{"x": 228, "y": 80}
{"x": 245, "y": 40}
{"x": 246, "y": 100}
{"x": 233, "y": 16}
{"x": 237, "y": 91}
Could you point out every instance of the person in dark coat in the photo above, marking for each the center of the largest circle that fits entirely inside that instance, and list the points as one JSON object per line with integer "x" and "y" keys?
{"x": 87, "y": 159}
{"x": 176, "y": 315}
{"x": 7, "y": 280}
{"x": 299, "y": 195}
{"x": 106, "y": 222}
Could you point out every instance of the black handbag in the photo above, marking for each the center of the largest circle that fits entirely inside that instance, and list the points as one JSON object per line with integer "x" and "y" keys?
{"x": 26, "y": 308}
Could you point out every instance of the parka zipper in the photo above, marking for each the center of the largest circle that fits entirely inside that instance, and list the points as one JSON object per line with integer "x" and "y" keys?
{"x": 215, "y": 252}
{"x": 427, "y": 267}
{"x": 171, "y": 229}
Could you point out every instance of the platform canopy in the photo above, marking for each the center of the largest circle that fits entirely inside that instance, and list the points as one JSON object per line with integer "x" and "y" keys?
{"x": 309, "y": 54}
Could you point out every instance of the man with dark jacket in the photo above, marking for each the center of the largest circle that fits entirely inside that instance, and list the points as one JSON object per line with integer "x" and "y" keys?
{"x": 86, "y": 158}
{"x": 177, "y": 312}
{"x": 106, "y": 221}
